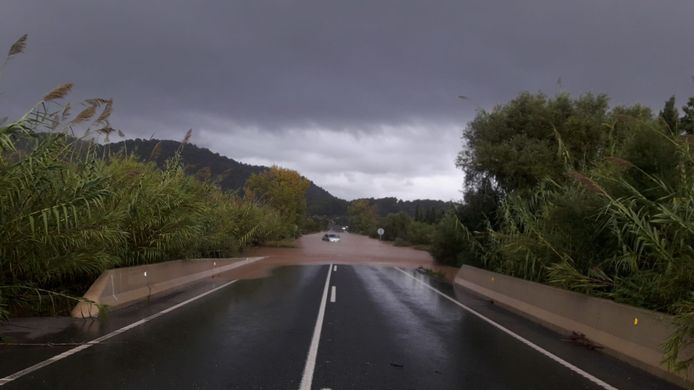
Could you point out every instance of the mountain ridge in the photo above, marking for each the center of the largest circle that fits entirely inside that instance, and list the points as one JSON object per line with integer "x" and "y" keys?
{"x": 231, "y": 175}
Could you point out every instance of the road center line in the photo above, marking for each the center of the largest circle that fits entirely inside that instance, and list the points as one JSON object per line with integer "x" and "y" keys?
{"x": 523, "y": 340}
{"x": 307, "y": 378}
{"x": 101, "y": 339}
{"x": 332, "y": 295}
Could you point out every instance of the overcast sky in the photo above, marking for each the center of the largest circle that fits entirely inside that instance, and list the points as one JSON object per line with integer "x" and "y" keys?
{"x": 360, "y": 96}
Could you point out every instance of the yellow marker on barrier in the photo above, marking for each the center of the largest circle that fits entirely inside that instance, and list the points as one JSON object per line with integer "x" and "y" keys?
{"x": 636, "y": 321}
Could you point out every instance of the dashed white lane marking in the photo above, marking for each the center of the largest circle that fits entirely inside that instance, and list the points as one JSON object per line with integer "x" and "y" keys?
{"x": 527, "y": 342}
{"x": 334, "y": 268}
{"x": 332, "y": 294}
{"x": 101, "y": 339}
{"x": 307, "y": 378}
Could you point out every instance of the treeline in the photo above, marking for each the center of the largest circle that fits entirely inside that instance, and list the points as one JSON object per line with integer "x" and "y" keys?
{"x": 422, "y": 210}
{"x": 365, "y": 216}
{"x": 570, "y": 192}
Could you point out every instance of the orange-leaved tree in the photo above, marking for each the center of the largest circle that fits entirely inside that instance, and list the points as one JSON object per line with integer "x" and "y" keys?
{"x": 282, "y": 189}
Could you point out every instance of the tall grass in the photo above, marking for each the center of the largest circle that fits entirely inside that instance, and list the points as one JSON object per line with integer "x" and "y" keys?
{"x": 623, "y": 229}
{"x": 70, "y": 208}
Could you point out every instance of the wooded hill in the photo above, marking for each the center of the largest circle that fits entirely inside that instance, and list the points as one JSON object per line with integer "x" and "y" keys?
{"x": 231, "y": 175}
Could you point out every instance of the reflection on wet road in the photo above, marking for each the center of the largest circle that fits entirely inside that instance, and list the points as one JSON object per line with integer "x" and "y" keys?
{"x": 388, "y": 332}
{"x": 380, "y": 329}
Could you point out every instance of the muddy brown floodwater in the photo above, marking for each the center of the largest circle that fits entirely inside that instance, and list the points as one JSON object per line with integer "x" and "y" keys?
{"x": 351, "y": 249}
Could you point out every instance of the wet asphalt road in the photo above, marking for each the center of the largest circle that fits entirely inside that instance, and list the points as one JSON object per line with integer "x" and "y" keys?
{"x": 383, "y": 331}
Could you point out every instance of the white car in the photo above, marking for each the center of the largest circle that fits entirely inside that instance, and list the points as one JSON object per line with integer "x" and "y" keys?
{"x": 331, "y": 237}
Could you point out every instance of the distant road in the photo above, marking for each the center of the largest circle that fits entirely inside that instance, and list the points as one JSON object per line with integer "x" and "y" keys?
{"x": 322, "y": 327}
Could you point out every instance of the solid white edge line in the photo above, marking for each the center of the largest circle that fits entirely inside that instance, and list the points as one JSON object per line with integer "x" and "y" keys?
{"x": 307, "y": 378}
{"x": 98, "y": 340}
{"x": 523, "y": 340}
{"x": 332, "y": 294}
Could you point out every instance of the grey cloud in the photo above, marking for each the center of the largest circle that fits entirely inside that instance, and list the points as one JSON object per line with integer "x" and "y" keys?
{"x": 362, "y": 67}
{"x": 270, "y": 63}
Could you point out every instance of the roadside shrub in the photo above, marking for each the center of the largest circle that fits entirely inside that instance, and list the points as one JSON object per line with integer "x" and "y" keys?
{"x": 420, "y": 233}
{"x": 607, "y": 209}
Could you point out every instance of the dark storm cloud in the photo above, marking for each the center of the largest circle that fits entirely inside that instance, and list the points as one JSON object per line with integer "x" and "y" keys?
{"x": 350, "y": 63}
{"x": 358, "y": 66}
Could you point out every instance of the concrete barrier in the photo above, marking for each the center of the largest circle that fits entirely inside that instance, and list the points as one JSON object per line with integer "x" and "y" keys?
{"x": 122, "y": 286}
{"x": 628, "y": 332}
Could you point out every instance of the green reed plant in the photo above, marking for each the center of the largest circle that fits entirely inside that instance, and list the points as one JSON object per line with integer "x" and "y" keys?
{"x": 71, "y": 208}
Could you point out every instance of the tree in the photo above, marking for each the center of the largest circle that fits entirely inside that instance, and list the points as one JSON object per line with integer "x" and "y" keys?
{"x": 282, "y": 189}
{"x": 396, "y": 225}
{"x": 687, "y": 120}
{"x": 480, "y": 207}
{"x": 533, "y": 137}
{"x": 566, "y": 192}
{"x": 362, "y": 216}
{"x": 449, "y": 243}
{"x": 670, "y": 116}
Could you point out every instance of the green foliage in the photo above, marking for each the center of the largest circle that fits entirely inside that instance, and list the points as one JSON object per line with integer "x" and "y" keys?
{"x": 421, "y": 210}
{"x": 599, "y": 201}
{"x": 459, "y": 235}
{"x": 687, "y": 119}
{"x": 420, "y": 233}
{"x": 362, "y": 217}
{"x": 396, "y": 226}
{"x": 228, "y": 174}
{"x": 315, "y": 224}
{"x": 650, "y": 218}
{"x": 453, "y": 243}
{"x": 531, "y": 138}
{"x": 282, "y": 189}
{"x": 70, "y": 209}
{"x": 670, "y": 116}
{"x": 164, "y": 211}
{"x": 399, "y": 227}
{"x": 406, "y": 223}
{"x": 53, "y": 214}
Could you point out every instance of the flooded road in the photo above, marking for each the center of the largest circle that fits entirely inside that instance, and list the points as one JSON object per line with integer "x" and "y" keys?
{"x": 351, "y": 249}
{"x": 319, "y": 316}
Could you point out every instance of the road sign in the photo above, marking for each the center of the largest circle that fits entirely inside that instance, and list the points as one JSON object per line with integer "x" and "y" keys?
{"x": 380, "y": 232}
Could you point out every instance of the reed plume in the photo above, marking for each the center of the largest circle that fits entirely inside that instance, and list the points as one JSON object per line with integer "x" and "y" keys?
{"x": 620, "y": 162}
{"x": 97, "y": 102}
{"x": 154, "y": 155}
{"x": 106, "y": 113}
{"x": 587, "y": 183}
{"x": 58, "y": 92}
{"x": 85, "y": 115}
{"x": 19, "y": 46}
{"x": 189, "y": 135}
{"x": 66, "y": 111}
